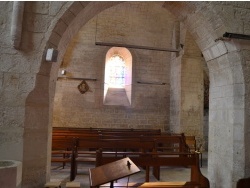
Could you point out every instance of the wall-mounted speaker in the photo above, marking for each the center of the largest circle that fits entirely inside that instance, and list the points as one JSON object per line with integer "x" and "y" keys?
{"x": 51, "y": 55}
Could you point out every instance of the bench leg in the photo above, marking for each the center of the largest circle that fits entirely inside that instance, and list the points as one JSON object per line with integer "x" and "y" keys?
{"x": 156, "y": 172}
{"x": 147, "y": 174}
{"x": 201, "y": 159}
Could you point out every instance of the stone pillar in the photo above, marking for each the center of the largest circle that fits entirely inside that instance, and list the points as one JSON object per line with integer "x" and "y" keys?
{"x": 187, "y": 92}
{"x": 192, "y": 97}
{"x": 226, "y": 150}
{"x": 175, "y": 82}
{"x": 37, "y": 135}
{"x": 175, "y": 96}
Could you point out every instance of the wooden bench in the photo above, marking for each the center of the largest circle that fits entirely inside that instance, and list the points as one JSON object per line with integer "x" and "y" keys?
{"x": 91, "y": 129}
{"x": 86, "y": 148}
{"x": 191, "y": 142}
{"x": 243, "y": 183}
{"x": 169, "y": 185}
{"x": 87, "y": 141}
{"x": 152, "y": 159}
{"x": 154, "y": 185}
{"x": 63, "y": 151}
{"x": 73, "y": 185}
{"x": 104, "y": 131}
{"x": 76, "y": 150}
{"x": 173, "y": 144}
{"x": 53, "y": 185}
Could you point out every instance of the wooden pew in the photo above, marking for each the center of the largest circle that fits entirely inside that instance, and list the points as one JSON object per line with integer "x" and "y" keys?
{"x": 169, "y": 143}
{"x": 86, "y": 148}
{"x": 89, "y": 140}
{"x": 121, "y": 143}
{"x": 243, "y": 183}
{"x": 172, "y": 143}
{"x": 169, "y": 185}
{"x": 163, "y": 159}
{"x": 191, "y": 142}
{"x": 91, "y": 129}
{"x": 63, "y": 151}
{"x": 155, "y": 185}
{"x": 104, "y": 130}
{"x": 61, "y": 143}
{"x": 85, "y": 132}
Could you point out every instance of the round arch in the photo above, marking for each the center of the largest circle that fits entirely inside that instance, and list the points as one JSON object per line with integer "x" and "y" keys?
{"x": 226, "y": 74}
{"x": 227, "y": 88}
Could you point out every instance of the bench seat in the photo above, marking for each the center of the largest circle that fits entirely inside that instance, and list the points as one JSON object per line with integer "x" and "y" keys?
{"x": 53, "y": 185}
{"x": 169, "y": 185}
{"x": 155, "y": 185}
{"x": 73, "y": 185}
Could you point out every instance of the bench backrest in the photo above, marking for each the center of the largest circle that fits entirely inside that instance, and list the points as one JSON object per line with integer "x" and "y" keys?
{"x": 243, "y": 183}
{"x": 116, "y": 144}
{"x": 63, "y": 144}
{"x": 191, "y": 142}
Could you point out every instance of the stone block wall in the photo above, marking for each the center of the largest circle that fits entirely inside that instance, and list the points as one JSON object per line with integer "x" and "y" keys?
{"x": 27, "y": 81}
{"x": 187, "y": 89}
{"x": 192, "y": 97}
{"x": 175, "y": 97}
{"x": 134, "y": 24}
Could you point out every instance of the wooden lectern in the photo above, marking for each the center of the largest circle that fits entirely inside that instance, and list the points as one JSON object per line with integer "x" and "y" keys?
{"x": 111, "y": 172}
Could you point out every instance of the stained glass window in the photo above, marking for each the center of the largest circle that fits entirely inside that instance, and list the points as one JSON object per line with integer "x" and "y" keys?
{"x": 116, "y": 71}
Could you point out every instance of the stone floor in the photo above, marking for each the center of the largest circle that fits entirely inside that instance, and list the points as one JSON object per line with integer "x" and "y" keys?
{"x": 167, "y": 174}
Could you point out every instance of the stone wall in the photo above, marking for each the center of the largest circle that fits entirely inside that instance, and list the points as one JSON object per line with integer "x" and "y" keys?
{"x": 192, "y": 90}
{"x": 187, "y": 89}
{"x": 27, "y": 81}
{"x": 133, "y": 24}
{"x": 227, "y": 89}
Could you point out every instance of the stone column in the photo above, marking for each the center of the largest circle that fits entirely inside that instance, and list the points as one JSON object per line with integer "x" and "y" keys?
{"x": 192, "y": 97}
{"x": 187, "y": 90}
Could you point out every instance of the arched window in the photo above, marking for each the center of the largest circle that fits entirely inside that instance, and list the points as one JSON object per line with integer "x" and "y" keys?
{"x": 118, "y": 77}
{"x": 116, "y": 72}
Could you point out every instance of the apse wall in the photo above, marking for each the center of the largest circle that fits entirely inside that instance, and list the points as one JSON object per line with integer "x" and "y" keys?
{"x": 132, "y": 23}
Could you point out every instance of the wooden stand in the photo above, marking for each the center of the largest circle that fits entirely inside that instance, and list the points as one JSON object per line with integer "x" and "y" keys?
{"x": 53, "y": 185}
{"x": 111, "y": 172}
{"x": 73, "y": 185}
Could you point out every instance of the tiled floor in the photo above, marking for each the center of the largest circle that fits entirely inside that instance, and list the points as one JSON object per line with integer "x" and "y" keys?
{"x": 167, "y": 174}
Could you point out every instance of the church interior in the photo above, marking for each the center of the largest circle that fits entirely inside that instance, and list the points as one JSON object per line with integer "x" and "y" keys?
{"x": 164, "y": 83}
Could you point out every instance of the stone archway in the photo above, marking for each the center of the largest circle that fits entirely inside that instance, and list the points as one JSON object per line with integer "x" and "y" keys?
{"x": 227, "y": 90}
{"x": 225, "y": 107}
{"x": 39, "y": 103}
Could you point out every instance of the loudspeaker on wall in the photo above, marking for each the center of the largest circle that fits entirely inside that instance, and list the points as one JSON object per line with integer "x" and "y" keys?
{"x": 51, "y": 55}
